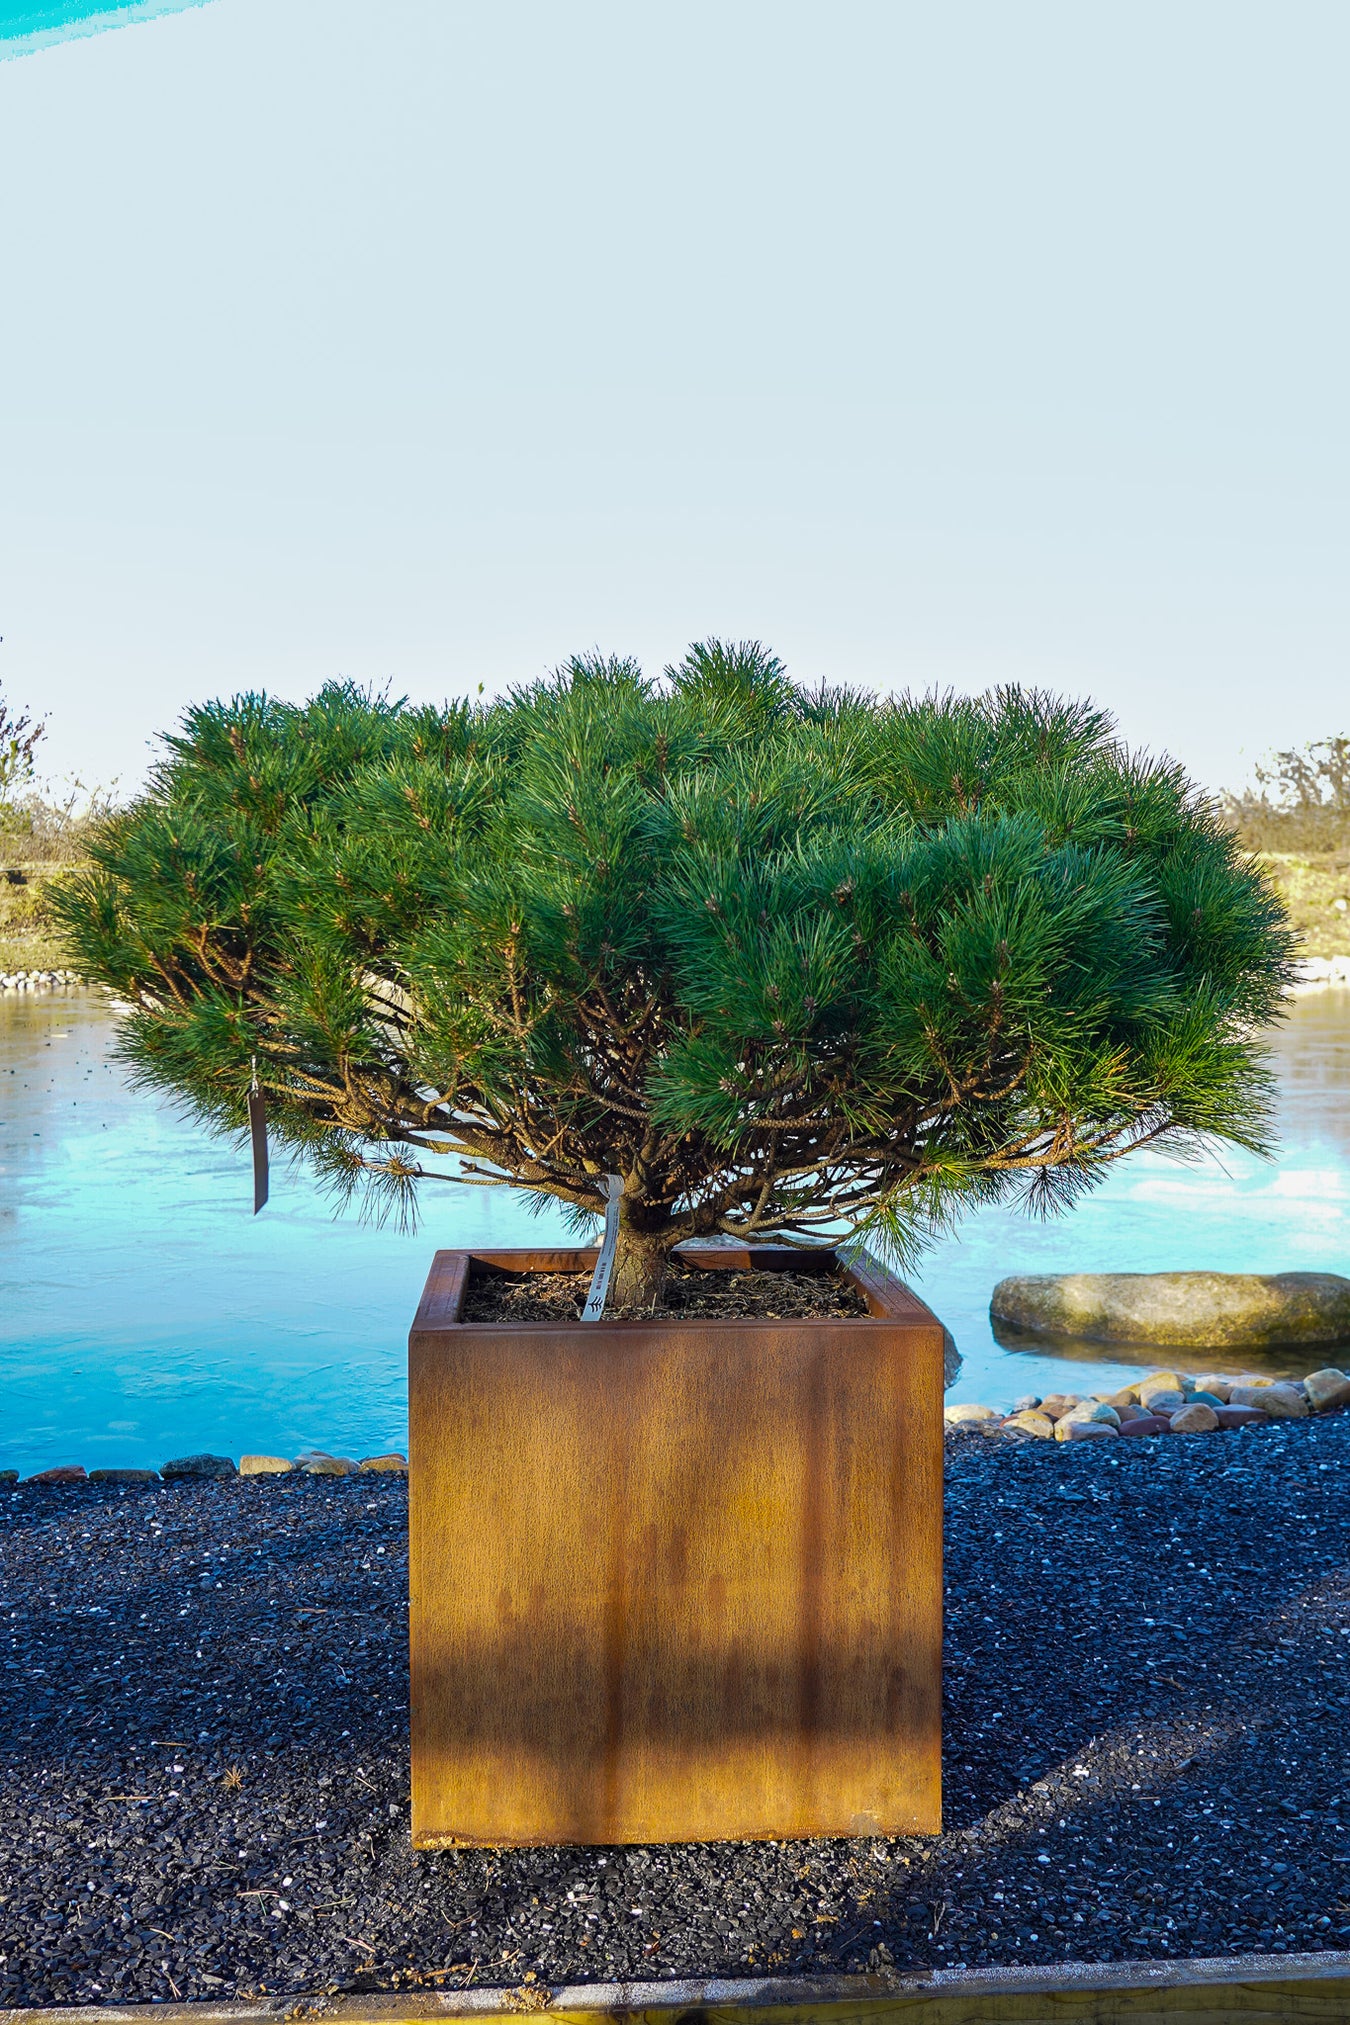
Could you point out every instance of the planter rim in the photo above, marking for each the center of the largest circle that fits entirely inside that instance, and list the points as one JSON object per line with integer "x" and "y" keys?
{"x": 894, "y": 1301}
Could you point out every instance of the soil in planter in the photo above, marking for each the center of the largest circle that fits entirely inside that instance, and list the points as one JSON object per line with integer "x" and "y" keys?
{"x": 692, "y": 1293}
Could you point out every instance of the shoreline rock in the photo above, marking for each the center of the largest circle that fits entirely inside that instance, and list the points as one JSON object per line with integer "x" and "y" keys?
{"x": 40, "y": 980}
{"x": 1163, "y": 1402}
{"x": 221, "y": 1469}
{"x": 1195, "y": 1311}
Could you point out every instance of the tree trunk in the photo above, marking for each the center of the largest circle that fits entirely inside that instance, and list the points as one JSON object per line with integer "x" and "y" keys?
{"x": 640, "y": 1262}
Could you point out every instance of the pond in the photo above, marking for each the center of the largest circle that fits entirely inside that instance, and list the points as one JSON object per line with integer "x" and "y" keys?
{"x": 145, "y": 1313}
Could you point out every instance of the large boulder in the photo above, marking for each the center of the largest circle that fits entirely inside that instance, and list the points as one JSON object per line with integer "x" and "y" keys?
{"x": 1191, "y": 1311}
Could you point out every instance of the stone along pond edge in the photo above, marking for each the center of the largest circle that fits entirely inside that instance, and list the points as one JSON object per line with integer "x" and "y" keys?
{"x": 218, "y": 1468}
{"x": 1163, "y": 1402}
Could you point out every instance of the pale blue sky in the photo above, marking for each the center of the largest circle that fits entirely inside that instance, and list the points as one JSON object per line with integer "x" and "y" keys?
{"x": 930, "y": 343}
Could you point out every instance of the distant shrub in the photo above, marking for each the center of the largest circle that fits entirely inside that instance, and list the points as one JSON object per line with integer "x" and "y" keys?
{"x": 38, "y": 831}
{"x": 1301, "y": 801}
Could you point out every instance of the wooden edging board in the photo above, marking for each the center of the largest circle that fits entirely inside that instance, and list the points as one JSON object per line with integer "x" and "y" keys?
{"x": 1254, "y": 1988}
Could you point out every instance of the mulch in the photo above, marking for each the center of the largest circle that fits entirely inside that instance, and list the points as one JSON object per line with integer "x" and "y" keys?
{"x": 691, "y": 1293}
{"x": 204, "y": 1767}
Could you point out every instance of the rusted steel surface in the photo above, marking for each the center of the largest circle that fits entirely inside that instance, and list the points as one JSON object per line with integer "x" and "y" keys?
{"x": 674, "y": 1581}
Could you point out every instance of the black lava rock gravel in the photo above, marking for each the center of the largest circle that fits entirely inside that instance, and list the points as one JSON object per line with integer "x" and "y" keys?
{"x": 205, "y": 1768}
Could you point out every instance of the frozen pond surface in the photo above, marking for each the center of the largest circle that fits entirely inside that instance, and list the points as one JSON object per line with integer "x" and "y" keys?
{"x": 145, "y": 1313}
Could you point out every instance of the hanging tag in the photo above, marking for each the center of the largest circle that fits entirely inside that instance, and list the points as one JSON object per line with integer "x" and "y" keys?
{"x": 604, "y": 1265}
{"x": 257, "y": 1127}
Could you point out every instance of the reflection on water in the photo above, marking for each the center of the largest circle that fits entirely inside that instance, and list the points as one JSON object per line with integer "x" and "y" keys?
{"x": 144, "y": 1312}
{"x": 1086, "y": 1351}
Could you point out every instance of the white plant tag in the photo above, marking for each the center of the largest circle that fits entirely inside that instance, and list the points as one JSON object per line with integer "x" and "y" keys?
{"x": 604, "y": 1265}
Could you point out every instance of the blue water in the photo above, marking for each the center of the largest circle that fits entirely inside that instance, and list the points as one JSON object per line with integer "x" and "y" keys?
{"x": 27, "y": 25}
{"x": 146, "y": 1313}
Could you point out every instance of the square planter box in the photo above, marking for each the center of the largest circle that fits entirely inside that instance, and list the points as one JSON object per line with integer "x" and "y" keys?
{"x": 674, "y": 1580}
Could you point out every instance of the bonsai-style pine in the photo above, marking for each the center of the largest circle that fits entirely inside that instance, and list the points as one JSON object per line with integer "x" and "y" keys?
{"x": 790, "y": 964}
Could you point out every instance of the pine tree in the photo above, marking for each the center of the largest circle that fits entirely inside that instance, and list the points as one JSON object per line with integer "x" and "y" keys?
{"x": 790, "y": 964}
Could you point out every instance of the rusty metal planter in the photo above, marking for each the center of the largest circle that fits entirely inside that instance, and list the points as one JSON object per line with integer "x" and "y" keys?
{"x": 674, "y": 1581}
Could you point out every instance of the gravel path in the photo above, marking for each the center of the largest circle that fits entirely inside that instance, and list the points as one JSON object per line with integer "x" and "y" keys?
{"x": 204, "y": 1761}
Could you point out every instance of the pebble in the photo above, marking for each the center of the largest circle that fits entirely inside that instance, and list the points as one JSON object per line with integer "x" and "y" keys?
{"x": 1166, "y": 1728}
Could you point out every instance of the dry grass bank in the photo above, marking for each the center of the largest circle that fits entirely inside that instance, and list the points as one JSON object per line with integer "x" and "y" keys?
{"x": 1316, "y": 891}
{"x": 40, "y": 843}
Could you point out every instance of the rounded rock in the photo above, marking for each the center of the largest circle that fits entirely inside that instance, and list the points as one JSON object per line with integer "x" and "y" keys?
{"x": 1241, "y": 1416}
{"x": 64, "y": 1473}
{"x": 1188, "y": 1310}
{"x": 964, "y": 1416}
{"x": 1327, "y": 1390}
{"x": 217, "y": 1466}
{"x": 1195, "y": 1419}
{"x": 1147, "y": 1423}
{"x": 394, "y": 1463}
{"x": 1030, "y": 1422}
{"x": 1161, "y": 1399}
{"x": 264, "y": 1466}
{"x": 1092, "y": 1409}
{"x": 1057, "y": 1404}
{"x": 1069, "y": 1429}
{"x": 1280, "y": 1402}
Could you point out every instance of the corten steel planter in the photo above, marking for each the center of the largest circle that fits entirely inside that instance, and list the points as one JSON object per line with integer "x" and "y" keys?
{"x": 674, "y": 1580}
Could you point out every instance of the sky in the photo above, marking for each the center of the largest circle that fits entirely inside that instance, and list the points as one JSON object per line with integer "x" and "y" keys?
{"x": 931, "y": 345}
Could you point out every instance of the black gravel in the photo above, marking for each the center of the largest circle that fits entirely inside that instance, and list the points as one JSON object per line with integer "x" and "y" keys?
{"x": 204, "y": 1771}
